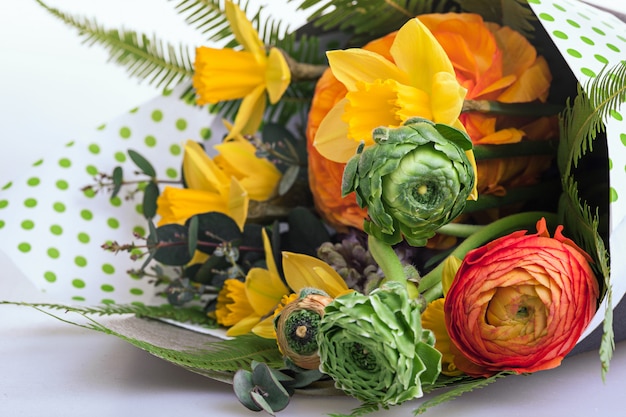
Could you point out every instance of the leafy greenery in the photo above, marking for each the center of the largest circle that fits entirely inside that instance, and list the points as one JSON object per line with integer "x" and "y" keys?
{"x": 459, "y": 389}
{"x": 148, "y": 58}
{"x": 165, "y": 311}
{"x": 357, "y": 16}
{"x": 580, "y": 124}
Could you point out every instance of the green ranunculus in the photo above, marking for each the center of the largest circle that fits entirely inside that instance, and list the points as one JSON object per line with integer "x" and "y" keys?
{"x": 374, "y": 346}
{"x": 413, "y": 180}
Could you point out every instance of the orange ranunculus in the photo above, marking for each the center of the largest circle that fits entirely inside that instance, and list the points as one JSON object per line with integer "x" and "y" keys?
{"x": 497, "y": 63}
{"x": 493, "y": 63}
{"x": 325, "y": 175}
{"x": 520, "y": 303}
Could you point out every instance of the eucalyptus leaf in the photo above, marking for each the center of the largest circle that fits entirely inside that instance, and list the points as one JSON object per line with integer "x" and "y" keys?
{"x": 118, "y": 179}
{"x": 150, "y": 196}
{"x": 288, "y": 179}
{"x": 216, "y": 229}
{"x": 243, "y": 386}
{"x": 142, "y": 163}
{"x": 192, "y": 242}
{"x": 172, "y": 247}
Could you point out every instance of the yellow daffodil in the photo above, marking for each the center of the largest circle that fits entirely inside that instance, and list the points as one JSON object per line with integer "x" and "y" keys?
{"x": 237, "y": 158}
{"x": 208, "y": 189}
{"x": 421, "y": 82}
{"x": 265, "y": 291}
{"x": 252, "y": 73}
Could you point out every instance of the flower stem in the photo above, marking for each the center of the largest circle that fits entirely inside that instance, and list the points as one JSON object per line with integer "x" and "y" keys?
{"x": 511, "y": 109}
{"x": 387, "y": 260}
{"x": 430, "y": 284}
{"x": 459, "y": 229}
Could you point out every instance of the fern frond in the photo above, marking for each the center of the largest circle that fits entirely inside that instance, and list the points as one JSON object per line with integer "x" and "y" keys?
{"x": 515, "y": 14}
{"x": 581, "y": 121}
{"x": 165, "y": 311}
{"x": 361, "y": 410}
{"x": 607, "y": 343}
{"x": 199, "y": 352}
{"x": 368, "y": 19}
{"x": 458, "y": 390}
{"x": 147, "y": 58}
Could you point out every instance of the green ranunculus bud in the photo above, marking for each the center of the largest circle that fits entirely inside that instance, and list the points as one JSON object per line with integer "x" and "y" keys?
{"x": 413, "y": 180}
{"x": 297, "y": 325}
{"x": 374, "y": 346}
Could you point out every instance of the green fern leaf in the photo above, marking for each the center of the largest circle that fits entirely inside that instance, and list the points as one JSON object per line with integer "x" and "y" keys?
{"x": 458, "y": 390}
{"x": 195, "y": 351}
{"x": 368, "y": 19}
{"x": 146, "y": 58}
{"x": 361, "y": 410}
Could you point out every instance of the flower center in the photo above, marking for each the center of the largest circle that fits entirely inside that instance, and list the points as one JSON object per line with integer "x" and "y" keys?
{"x": 362, "y": 357}
{"x": 301, "y": 330}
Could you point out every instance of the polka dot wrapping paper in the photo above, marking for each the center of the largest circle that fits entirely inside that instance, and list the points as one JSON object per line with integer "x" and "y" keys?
{"x": 53, "y": 231}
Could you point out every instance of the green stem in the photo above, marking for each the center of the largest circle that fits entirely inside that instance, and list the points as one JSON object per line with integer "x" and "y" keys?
{"x": 430, "y": 284}
{"x": 459, "y": 229}
{"x": 510, "y": 150}
{"x": 511, "y": 109}
{"x": 387, "y": 260}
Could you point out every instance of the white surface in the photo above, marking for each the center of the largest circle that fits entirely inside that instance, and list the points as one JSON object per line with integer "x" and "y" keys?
{"x": 52, "y": 90}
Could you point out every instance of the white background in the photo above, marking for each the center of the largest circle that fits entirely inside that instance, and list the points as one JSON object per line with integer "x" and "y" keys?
{"x": 53, "y": 90}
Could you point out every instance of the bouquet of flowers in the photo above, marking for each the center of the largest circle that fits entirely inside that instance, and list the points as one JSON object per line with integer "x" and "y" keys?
{"x": 398, "y": 197}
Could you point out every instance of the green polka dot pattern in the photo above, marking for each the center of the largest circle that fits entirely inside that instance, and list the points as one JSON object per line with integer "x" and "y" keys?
{"x": 589, "y": 40}
{"x": 53, "y": 231}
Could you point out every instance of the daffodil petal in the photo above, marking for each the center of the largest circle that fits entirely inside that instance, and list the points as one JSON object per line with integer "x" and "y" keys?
{"x": 351, "y": 66}
{"x": 269, "y": 254}
{"x": 331, "y": 139}
{"x": 238, "y": 201}
{"x": 264, "y": 290}
{"x": 244, "y": 33}
{"x": 446, "y": 98}
{"x": 303, "y": 271}
{"x": 277, "y": 75}
{"x": 257, "y": 175}
{"x": 265, "y": 328}
{"x": 417, "y": 53}
{"x": 243, "y": 326}
{"x": 450, "y": 265}
{"x": 201, "y": 172}
{"x": 250, "y": 113}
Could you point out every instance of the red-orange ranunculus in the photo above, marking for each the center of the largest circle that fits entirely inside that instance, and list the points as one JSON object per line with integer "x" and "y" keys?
{"x": 520, "y": 303}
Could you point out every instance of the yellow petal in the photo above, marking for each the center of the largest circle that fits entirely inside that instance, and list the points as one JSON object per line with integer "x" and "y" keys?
{"x": 277, "y": 75}
{"x": 243, "y": 326}
{"x": 244, "y": 33}
{"x": 331, "y": 139}
{"x": 264, "y": 290}
{"x": 450, "y": 265}
{"x": 265, "y": 328}
{"x": 176, "y": 205}
{"x": 447, "y": 98}
{"x": 358, "y": 65}
{"x": 250, "y": 113}
{"x": 201, "y": 172}
{"x": 474, "y": 194}
{"x": 417, "y": 53}
{"x": 225, "y": 74}
{"x": 270, "y": 262}
{"x": 303, "y": 271}
{"x": 257, "y": 175}
{"x": 238, "y": 201}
